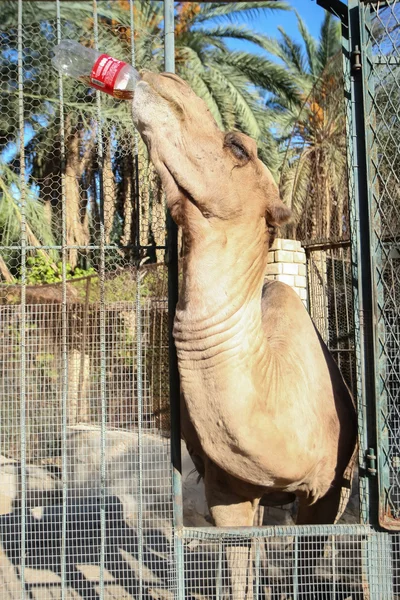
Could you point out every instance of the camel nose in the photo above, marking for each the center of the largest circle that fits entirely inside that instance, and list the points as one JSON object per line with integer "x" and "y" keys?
{"x": 167, "y": 85}
{"x": 152, "y": 79}
{"x": 145, "y": 74}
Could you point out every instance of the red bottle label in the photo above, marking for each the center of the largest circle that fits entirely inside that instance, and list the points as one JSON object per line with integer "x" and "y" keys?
{"x": 105, "y": 72}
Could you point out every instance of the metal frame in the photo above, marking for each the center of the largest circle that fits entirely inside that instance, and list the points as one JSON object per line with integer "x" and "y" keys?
{"x": 378, "y": 577}
{"x": 376, "y": 553}
{"x": 379, "y": 258}
{"x": 361, "y": 253}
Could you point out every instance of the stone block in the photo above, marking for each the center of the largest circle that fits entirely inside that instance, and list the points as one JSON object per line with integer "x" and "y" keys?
{"x": 303, "y": 293}
{"x": 292, "y": 245}
{"x": 300, "y": 281}
{"x": 277, "y": 245}
{"x": 299, "y": 257}
{"x": 289, "y": 268}
{"x": 284, "y": 256}
{"x": 302, "y": 270}
{"x": 271, "y": 257}
{"x": 288, "y": 279}
{"x": 274, "y": 268}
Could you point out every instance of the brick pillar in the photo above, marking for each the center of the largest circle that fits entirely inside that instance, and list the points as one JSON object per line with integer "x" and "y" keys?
{"x": 287, "y": 263}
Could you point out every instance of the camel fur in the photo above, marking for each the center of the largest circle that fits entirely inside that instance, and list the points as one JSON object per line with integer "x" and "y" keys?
{"x": 265, "y": 411}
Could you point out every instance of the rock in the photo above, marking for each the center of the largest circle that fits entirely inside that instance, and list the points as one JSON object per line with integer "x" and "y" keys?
{"x": 42, "y": 487}
{"x": 121, "y": 473}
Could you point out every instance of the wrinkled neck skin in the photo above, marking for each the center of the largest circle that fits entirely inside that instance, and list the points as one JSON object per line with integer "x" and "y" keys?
{"x": 224, "y": 366}
{"x": 218, "y": 317}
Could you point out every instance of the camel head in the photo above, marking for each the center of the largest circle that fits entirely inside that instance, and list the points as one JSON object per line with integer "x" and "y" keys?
{"x": 209, "y": 176}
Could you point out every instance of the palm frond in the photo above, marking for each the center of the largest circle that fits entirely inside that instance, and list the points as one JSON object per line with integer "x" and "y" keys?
{"x": 193, "y": 70}
{"x": 291, "y": 53}
{"x": 233, "y": 88}
{"x": 37, "y": 226}
{"x": 262, "y": 73}
{"x": 329, "y": 43}
{"x": 235, "y": 10}
{"x": 310, "y": 46}
{"x": 295, "y": 180}
{"x": 240, "y": 32}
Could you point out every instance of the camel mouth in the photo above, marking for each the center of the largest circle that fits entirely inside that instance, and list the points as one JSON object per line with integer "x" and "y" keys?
{"x": 160, "y": 116}
{"x": 157, "y": 98}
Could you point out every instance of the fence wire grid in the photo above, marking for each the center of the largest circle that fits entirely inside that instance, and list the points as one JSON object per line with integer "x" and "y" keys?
{"x": 381, "y": 39}
{"x": 85, "y": 501}
{"x": 86, "y": 494}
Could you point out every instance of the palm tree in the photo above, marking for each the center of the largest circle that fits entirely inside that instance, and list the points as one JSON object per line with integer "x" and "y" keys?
{"x": 313, "y": 139}
{"x": 233, "y": 85}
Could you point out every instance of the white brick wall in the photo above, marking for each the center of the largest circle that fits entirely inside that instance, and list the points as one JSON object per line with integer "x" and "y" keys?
{"x": 287, "y": 263}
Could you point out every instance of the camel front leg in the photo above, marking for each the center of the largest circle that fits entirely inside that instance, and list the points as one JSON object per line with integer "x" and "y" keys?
{"x": 229, "y": 509}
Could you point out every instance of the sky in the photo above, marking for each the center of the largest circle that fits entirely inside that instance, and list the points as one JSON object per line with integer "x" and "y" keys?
{"x": 310, "y": 12}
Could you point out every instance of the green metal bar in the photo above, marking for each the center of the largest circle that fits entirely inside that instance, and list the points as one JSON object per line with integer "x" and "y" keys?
{"x": 103, "y": 423}
{"x": 336, "y": 7}
{"x": 174, "y": 387}
{"x": 378, "y": 366}
{"x": 214, "y": 533}
{"x": 361, "y": 259}
{"x": 387, "y": 516}
{"x": 296, "y": 569}
{"x": 139, "y": 394}
{"x": 218, "y": 583}
{"x": 23, "y": 298}
{"x": 64, "y": 399}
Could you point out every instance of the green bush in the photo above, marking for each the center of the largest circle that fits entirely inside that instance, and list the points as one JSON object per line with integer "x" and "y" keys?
{"x": 41, "y": 270}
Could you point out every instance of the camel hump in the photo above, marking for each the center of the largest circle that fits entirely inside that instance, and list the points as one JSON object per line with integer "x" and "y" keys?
{"x": 275, "y": 291}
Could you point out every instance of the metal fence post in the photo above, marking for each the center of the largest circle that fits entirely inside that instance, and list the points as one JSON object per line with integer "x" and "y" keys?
{"x": 23, "y": 298}
{"x": 103, "y": 416}
{"x": 174, "y": 391}
{"x": 380, "y": 69}
{"x": 361, "y": 257}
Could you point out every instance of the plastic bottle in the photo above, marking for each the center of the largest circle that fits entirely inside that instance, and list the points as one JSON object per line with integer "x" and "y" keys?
{"x": 97, "y": 70}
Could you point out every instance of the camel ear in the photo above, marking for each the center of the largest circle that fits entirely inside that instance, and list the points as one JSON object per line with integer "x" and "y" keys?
{"x": 277, "y": 213}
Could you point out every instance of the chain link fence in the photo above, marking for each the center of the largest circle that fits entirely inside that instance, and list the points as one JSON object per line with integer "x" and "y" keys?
{"x": 86, "y": 495}
{"x": 381, "y": 37}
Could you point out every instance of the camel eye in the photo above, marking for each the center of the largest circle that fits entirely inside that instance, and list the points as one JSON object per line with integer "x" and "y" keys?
{"x": 237, "y": 148}
{"x": 239, "y": 151}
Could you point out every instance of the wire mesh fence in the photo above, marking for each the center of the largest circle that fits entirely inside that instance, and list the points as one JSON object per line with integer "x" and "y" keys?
{"x": 330, "y": 287}
{"x": 380, "y": 26}
{"x": 86, "y": 498}
{"x": 290, "y": 564}
{"x": 44, "y": 357}
{"x": 85, "y": 492}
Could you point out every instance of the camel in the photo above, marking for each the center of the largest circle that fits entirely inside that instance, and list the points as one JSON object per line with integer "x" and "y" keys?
{"x": 266, "y": 414}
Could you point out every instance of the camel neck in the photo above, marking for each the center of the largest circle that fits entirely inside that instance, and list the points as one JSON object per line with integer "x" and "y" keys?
{"x": 220, "y": 298}
{"x": 222, "y": 270}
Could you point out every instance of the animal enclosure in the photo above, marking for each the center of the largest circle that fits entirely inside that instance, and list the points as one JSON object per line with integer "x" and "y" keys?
{"x": 95, "y": 499}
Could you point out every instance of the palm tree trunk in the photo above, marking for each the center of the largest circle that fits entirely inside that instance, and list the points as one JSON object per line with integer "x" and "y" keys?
{"x": 109, "y": 191}
{"x": 158, "y": 220}
{"x": 77, "y": 224}
{"x": 4, "y": 272}
{"x": 128, "y": 203}
{"x": 145, "y": 199}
